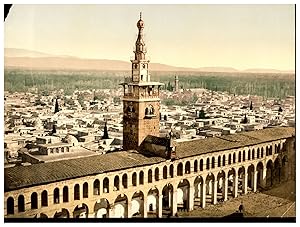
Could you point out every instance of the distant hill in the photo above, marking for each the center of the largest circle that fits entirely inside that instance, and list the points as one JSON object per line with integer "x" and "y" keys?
{"x": 27, "y": 59}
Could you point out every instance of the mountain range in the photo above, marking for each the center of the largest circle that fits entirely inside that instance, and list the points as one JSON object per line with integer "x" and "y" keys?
{"x": 28, "y": 59}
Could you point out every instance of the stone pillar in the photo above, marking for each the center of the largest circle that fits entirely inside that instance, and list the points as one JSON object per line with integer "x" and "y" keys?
{"x": 225, "y": 188}
{"x": 255, "y": 181}
{"x": 235, "y": 185}
{"x": 174, "y": 203}
{"x": 159, "y": 205}
{"x": 191, "y": 197}
{"x": 203, "y": 197}
{"x": 215, "y": 191}
{"x": 245, "y": 182}
{"x": 263, "y": 177}
{"x": 145, "y": 206}
{"x": 90, "y": 191}
{"x": 129, "y": 209}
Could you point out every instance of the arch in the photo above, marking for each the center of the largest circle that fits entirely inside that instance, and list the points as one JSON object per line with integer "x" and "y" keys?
{"x": 253, "y": 154}
{"x": 257, "y": 153}
{"x": 213, "y": 162}
{"x": 269, "y": 177}
{"x": 120, "y": 207}
{"x": 224, "y": 160}
{"x": 277, "y": 170}
{"x": 275, "y": 150}
{"x": 96, "y": 186}
{"x": 10, "y": 206}
{"x": 56, "y": 196}
{"x": 65, "y": 194}
{"x": 234, "y": 158}
{"x": 171, "y": 171}
{"x": 167, "y": 197}
{"x": 249, "y": 154}
{"x": 278, "y": 148}
{"x": 44, "y": 198}
{"x": 270, "y": 150}
{"x": 64, "y": 213}
{"x": 152, "y": 201}
{"x": 195, "y": 166}
{"x": 124, "y": 180}
{"x": 150, "y": 176}
{"x": 101, "y": 208}
{"x": 201, "y": 165}
{"x": 141, "y": 177}
{"x": 156, "y": 174}
{"x": 76, "y": 192}
{"x": 137, "y": 201}
{"x": 21, "y": 203}
{"x": 165, "y": 172}
{"x": 106, "y": 185}
{"x": 267, "y": 151}
{"x": 117, "y": 183}
{"x": 187, "y": 168}
{"x": 244, "y": 155}
{"x": 81, "y": 211}
{"x": 85, "y": 190}
{"x": 284, "y": 167}
{"x": 262, "y": 152}
{"x": 240, "y": 157}
{"x": 229, "y": 159}
{"x": 207, "y": 163}
{"x": 179, "y": 169}
{"x": 183, "y": 194}
{"x": 219, "y": 161}
{"x": 260, "y": 179}
{"x": 209, "y": 181}
{"x": 34, "y": 200}
{"x": 198, "y": 185}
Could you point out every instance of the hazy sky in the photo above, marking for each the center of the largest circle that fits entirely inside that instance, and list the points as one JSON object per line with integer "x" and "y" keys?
{"x": 239, "y": 36}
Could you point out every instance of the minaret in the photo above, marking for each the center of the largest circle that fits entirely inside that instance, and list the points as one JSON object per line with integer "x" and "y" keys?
{"x": 56, "y": 108}
{"x": 176, "y": 84}
{"x": 141, "y": 101}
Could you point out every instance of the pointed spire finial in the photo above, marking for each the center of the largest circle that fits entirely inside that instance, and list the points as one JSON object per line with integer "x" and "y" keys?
{"x": 140, "y": 15}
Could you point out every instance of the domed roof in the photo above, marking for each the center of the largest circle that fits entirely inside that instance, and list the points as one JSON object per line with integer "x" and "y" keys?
{"x": 70, "y": 139}
{"x": 140, "y": 23}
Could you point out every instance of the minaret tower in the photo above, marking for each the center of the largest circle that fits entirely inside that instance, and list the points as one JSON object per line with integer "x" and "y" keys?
{"x": 141, "y": 101}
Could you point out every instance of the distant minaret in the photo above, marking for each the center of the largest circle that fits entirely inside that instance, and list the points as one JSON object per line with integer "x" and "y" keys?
{"x": 105, "y": 134}
{"x": 176, "y": 84}
{"x": 56, "y": 109}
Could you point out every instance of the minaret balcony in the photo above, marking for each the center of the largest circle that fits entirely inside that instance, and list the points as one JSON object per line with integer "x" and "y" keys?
{"x": 149, "y": 116}
{"x": 141, "y": 96}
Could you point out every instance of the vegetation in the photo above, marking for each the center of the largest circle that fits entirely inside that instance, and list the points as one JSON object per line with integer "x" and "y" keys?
{"x": 267, "y": 85}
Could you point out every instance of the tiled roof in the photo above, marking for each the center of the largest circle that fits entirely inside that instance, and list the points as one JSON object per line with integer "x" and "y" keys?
{"x": 202, "y": 146}
{"x": 36, "y": 174}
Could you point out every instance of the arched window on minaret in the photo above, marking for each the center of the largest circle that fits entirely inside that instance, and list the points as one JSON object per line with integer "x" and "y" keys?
{"x": 141, "y": 77}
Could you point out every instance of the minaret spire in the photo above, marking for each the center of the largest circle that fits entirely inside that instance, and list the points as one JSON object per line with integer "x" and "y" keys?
{"x": 140, "y": 15}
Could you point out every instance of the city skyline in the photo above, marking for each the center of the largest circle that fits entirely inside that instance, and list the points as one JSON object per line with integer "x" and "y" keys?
{"x": 241, "y": 36}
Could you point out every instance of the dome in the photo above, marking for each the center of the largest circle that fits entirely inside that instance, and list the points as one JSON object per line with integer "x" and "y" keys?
{"x": 71, "y": 139}
{"x": 140, "y": 24}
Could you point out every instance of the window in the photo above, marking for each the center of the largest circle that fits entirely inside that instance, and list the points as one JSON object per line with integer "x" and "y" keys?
{"x": 65, "y": 194}
{"x": 76, "y": 192}
{"x": 21, "y": 203}
{"x": 56, "y": 196}
{"x": 85, "y": 190}
{"x": 44, "y": 198}
{"x": 34, "y": 201}
{"x": 10, "y": 205}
